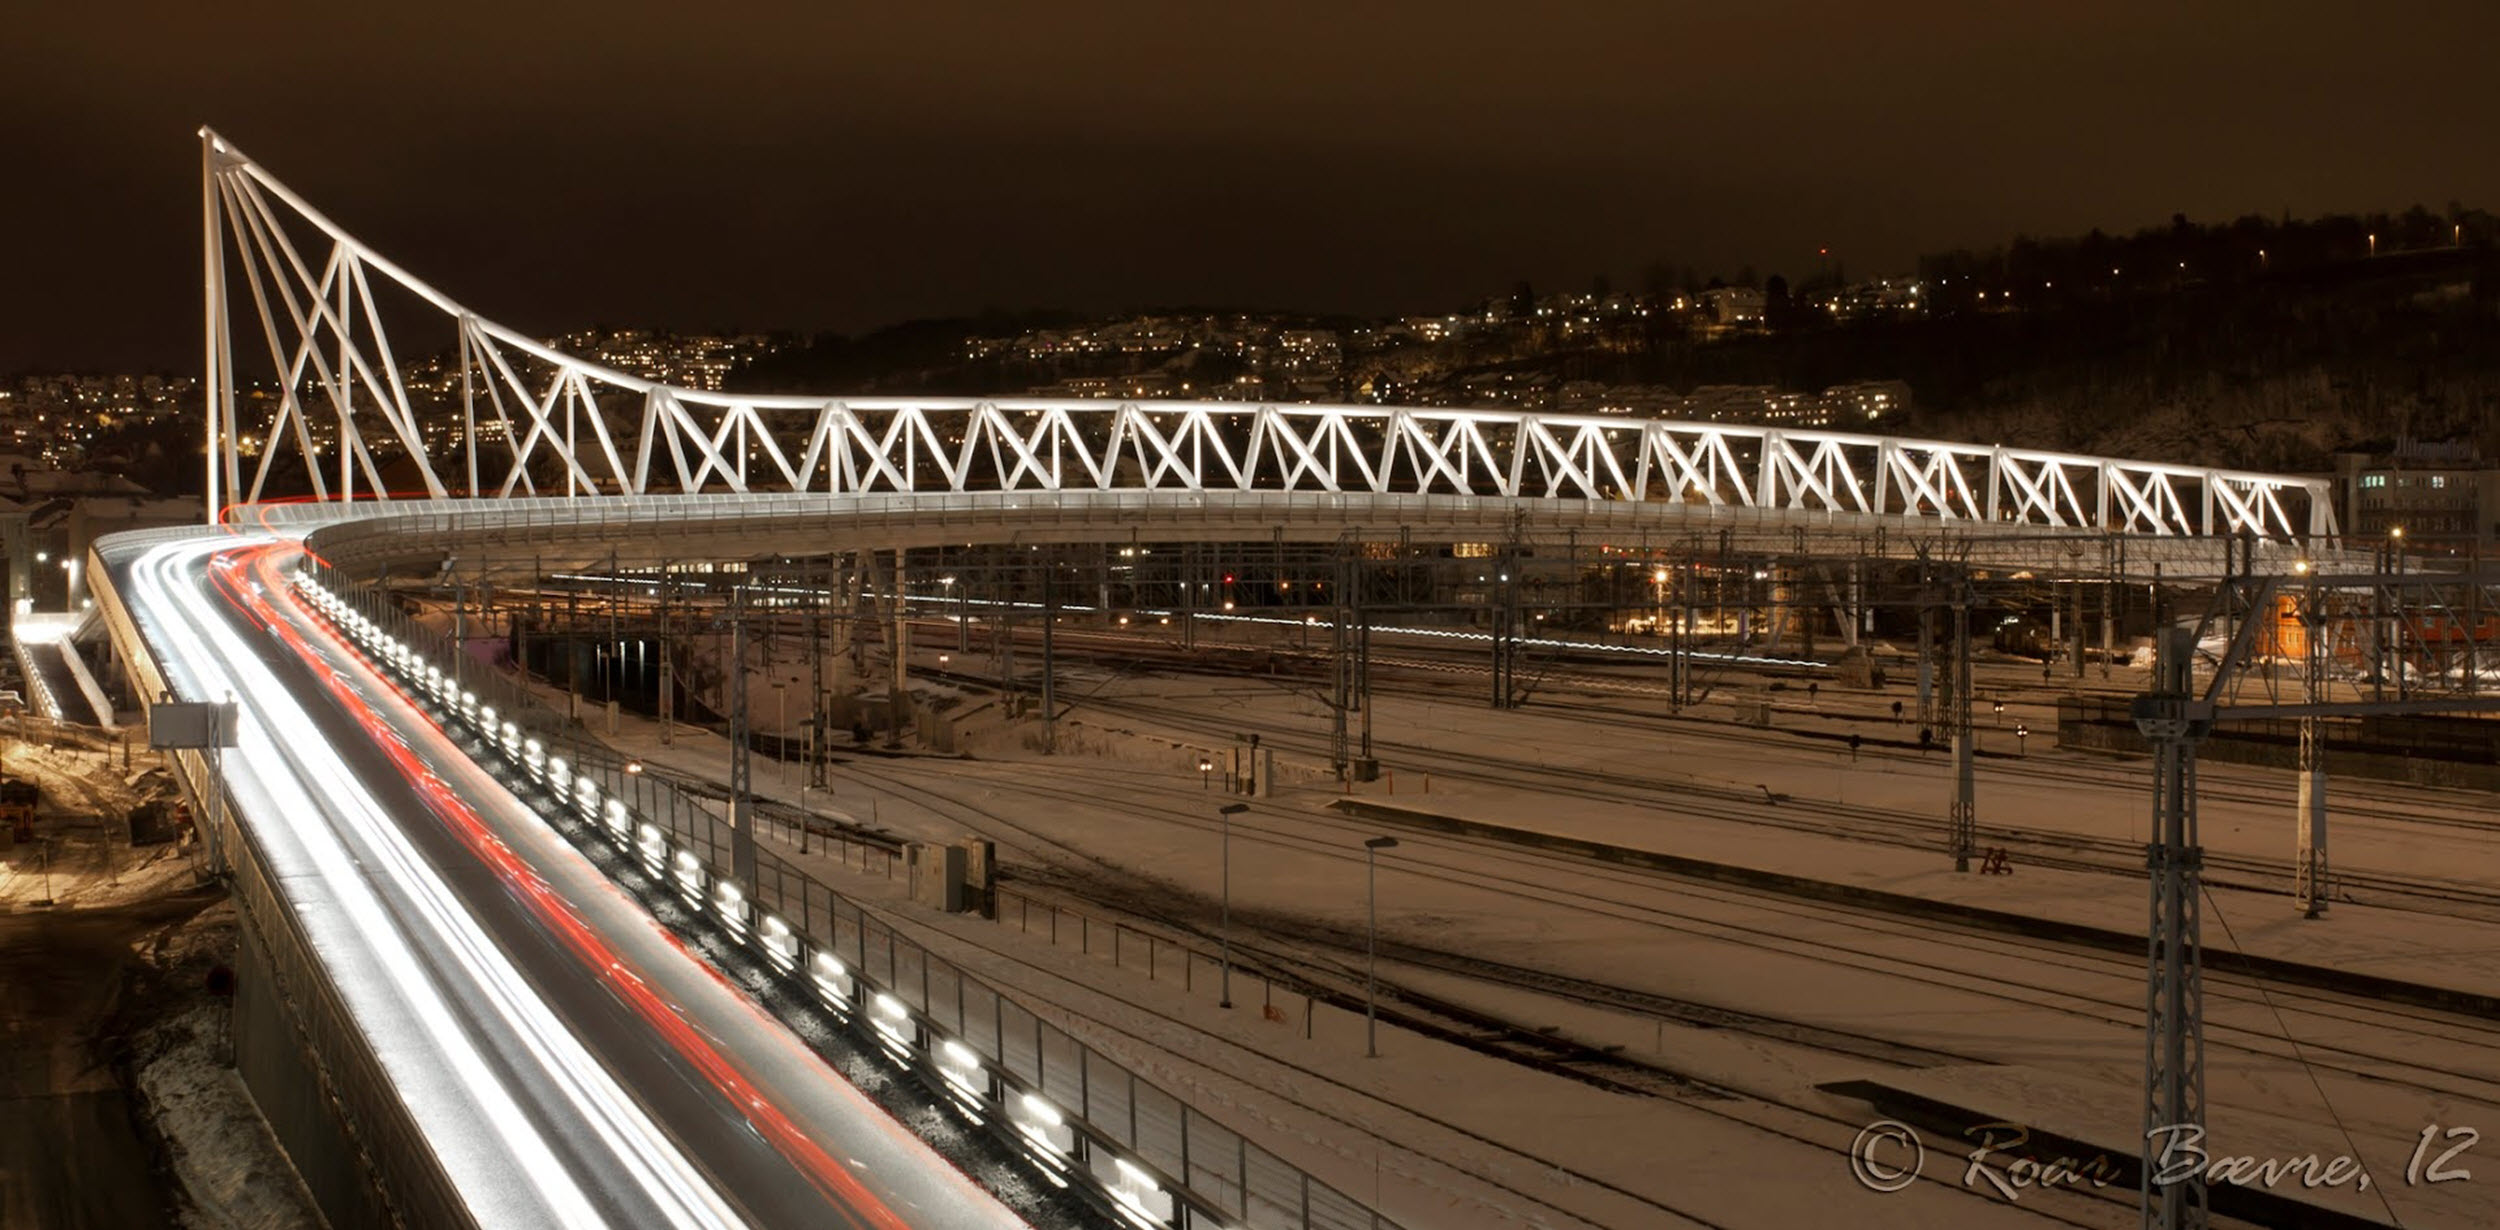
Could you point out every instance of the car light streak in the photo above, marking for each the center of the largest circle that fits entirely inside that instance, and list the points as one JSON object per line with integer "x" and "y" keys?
{"x": 288, "y": 781}
{"x": 663, "y": 1017}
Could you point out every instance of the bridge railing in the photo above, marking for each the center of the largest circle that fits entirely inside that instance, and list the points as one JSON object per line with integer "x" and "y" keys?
{"x": 1076, "y": 1112}
{"x": 646, "y": 528}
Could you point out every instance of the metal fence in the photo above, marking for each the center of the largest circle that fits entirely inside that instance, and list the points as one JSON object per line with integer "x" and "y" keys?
{"x": 1159, "y": 957}
{"x": 1074, "y": 1111}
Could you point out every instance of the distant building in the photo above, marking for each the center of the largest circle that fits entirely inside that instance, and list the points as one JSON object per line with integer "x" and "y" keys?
{"x": 1730, "y": 306}
{"x": 1881, "y": 297}
{"x": 49, "y": 518}
{"x": 2441, "y": 494}
{"x": 1757, "y": 404}
{"x": 1868, "y": 403}
{"x": 701, "y": 362}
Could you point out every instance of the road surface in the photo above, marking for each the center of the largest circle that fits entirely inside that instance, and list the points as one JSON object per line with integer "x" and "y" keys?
{"x": 571, "y": 1063}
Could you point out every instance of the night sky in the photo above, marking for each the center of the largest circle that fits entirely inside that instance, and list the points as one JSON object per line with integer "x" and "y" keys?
{"x": 822, "y": 166}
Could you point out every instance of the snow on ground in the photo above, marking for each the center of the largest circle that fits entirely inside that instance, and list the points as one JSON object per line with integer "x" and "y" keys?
{"x": 1447, "y": 1137}
{"x": 1440, "y": 1136}
{"x": 2379, "y": 828}
{"x": 81, "y": 853}
{"x": 234, "y": 1176}
{"x": 2052, "y": 1036}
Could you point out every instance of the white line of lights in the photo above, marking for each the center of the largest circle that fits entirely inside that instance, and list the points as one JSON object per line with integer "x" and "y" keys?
{"x": 780, "y": 944}
{"x": 1139, "y": 1195}
{"x": 1048, "y": 1139}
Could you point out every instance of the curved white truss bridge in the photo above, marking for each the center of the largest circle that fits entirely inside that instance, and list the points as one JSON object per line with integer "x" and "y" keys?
{"x": 510, "y": 415}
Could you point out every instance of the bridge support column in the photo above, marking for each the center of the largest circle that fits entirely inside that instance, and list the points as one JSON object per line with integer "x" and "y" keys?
{"x": 1050, "y": 662}
{"x": 1853, "y": 610}
{"x": 898, "y": 701}
{"x": 819, "y": 637}
{"x": 668, "y": 659}
{"x": 1963, "y": 819}
{"x": 1926, "y": 661}
{"x": 2109, "y": 624}
{"x": 2074, "y": 652}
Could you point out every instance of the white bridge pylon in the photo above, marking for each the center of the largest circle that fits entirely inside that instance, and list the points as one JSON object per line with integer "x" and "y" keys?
{"x": 335, "y": 411}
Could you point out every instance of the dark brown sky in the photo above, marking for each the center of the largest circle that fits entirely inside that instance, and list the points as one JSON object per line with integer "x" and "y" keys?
{"x": 819, "y": 165}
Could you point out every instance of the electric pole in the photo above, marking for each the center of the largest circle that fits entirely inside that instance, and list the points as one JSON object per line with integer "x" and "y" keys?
{"x": 2173, "y": 720}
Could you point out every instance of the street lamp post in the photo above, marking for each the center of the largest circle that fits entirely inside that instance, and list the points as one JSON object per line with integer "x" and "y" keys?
{"x": 1999, "y": 706}
{"x": 1371, "y": 942}
{"x": 963, "y": 625}
{"x": 2021, "y": 733}
{"x": 1206, "y": 772}
{"x": 1224, "y": 816}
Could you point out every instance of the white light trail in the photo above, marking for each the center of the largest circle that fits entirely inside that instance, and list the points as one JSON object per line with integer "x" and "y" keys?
{"x": 289, "y": 783}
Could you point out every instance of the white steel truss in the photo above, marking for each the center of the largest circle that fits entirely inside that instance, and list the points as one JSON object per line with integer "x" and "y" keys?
{"x": 336, "y": 419}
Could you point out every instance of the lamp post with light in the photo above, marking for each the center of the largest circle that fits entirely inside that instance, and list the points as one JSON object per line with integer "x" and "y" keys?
{"x": 1224, "y": 816}
{"x": 963, "y": 625}
{"x": 1371, "y": 942}
{"x": 2021, "y": 733}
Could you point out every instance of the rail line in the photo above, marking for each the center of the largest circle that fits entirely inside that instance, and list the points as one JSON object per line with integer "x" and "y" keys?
{"x": 2121, "y": 1009}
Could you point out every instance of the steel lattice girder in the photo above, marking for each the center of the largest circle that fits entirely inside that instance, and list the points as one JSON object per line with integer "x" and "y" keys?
{"x": 585, "y": 430}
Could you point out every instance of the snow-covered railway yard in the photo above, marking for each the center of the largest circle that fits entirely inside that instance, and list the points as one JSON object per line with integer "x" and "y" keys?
{"x": 1622, "y": 1041}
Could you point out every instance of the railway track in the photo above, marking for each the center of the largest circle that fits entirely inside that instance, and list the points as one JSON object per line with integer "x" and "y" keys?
{"x": 2035, "y": 847}
{"x": 1793, "y": 1123}
{"x": 2118, "y": 1006}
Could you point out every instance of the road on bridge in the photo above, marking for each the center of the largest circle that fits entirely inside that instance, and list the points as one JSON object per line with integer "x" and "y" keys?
{"x": 569, "y": 1060}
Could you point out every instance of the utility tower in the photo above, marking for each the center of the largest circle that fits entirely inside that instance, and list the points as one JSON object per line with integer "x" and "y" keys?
{"x": 2173, "y": 719}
